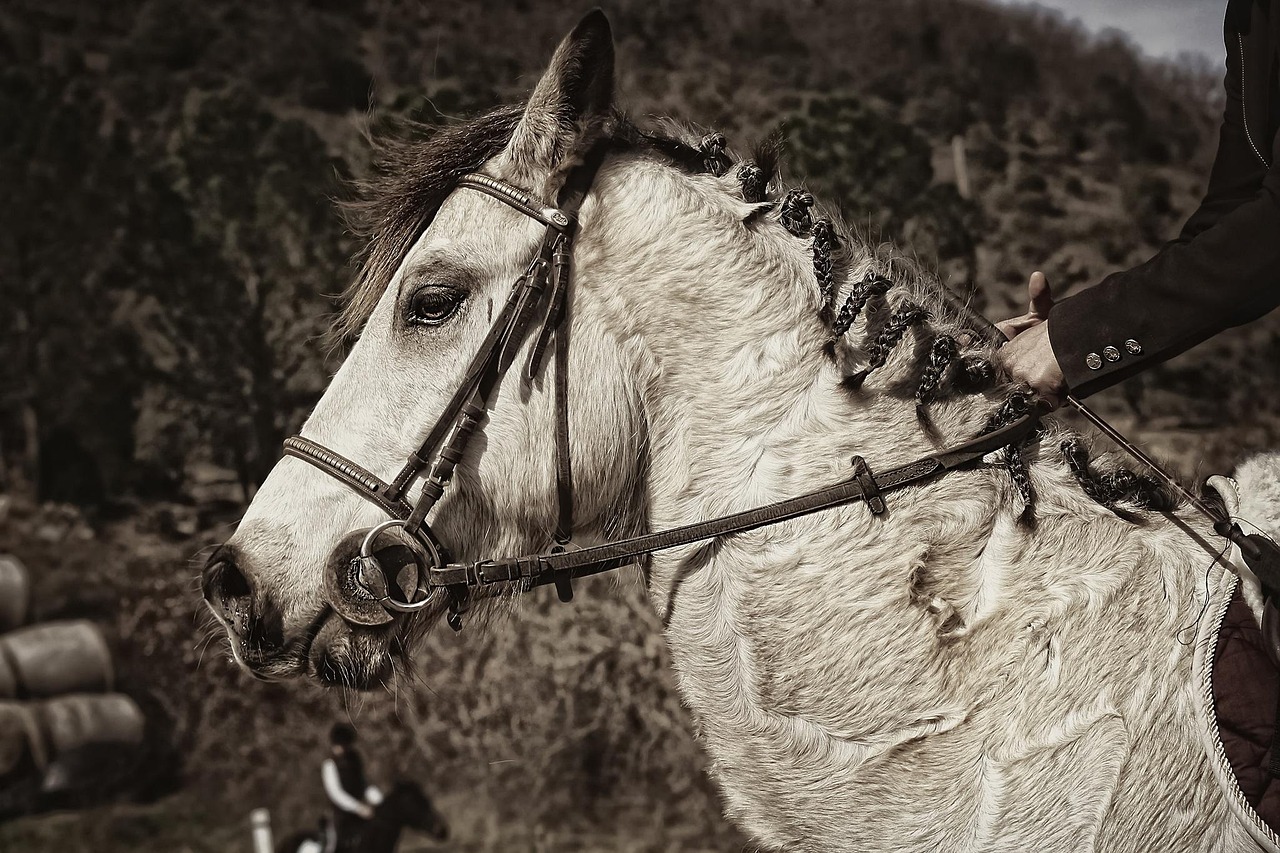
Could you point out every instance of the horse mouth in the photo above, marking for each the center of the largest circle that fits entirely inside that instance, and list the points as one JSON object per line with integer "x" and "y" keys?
{"x": 356, "y": 657}
{"x": 330, "y": 652}
{"x": 282, "y": 664}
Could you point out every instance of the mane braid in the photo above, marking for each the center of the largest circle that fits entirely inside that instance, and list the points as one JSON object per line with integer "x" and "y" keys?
{"x": 1017, "y": 404}
{"x": 878, "y": 350}
{"x": 795, "y": 215}
{"x": 872, "y": 284}
{"x": 755, "y": 184}
{"x": 942, "y": 353}
{"x": 1114, "y": 486}
{"x": 973, "y": 373}
{"x": 1020, "y": 474}
{"x": 691, "y": 159}
{"x": 714, "y": 158}
{"x": 766, "y": 154}
{"x": 823, "y": 239}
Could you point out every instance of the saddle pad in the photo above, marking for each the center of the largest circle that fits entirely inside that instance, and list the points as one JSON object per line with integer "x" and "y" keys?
{"x": 1246, "y": 689}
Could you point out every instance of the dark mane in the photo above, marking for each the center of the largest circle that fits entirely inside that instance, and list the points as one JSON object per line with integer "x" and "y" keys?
{"x": 414, "y": 174}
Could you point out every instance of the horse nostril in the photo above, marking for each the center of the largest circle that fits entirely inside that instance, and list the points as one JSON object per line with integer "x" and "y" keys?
{"x": 258, "y": 624}
{"x": 227, "y": 590}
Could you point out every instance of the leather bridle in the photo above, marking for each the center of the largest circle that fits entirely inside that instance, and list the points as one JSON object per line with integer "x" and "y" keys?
{"x": 547, "y": 279}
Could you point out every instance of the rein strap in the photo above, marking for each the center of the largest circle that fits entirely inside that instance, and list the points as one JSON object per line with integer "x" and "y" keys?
{"x": 550, "y": 568}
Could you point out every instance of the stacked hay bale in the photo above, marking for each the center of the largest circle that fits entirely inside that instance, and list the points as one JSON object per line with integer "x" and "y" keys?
{"x": 64, "y": 734}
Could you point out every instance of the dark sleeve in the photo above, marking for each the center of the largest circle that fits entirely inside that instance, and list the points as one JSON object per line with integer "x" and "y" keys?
{"x": 1222, "y": 271}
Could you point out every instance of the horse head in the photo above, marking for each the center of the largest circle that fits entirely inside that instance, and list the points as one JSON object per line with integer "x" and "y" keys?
{"x": 439, "y": 267}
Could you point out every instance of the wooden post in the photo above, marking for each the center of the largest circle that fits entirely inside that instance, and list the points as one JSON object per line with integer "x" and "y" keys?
{"x": 260, "y": 820}
{"x": 962, "y": 166}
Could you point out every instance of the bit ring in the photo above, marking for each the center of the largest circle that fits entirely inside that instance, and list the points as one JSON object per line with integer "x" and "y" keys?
{"x": 427, "y": 546}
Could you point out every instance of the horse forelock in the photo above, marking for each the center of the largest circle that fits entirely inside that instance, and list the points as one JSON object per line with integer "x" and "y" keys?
{"x": 416, "y": 169}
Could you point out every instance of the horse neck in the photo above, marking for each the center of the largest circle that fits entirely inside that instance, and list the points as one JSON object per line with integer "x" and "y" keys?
{"x": 763, "y": 414}
{"x": 746, "y": 403}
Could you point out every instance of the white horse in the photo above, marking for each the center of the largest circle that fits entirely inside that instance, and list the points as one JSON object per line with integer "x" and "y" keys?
{"x": 956, "y": 674}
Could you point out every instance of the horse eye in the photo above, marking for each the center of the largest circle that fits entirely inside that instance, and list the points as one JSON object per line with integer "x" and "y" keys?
{"x": 433, "y": 304}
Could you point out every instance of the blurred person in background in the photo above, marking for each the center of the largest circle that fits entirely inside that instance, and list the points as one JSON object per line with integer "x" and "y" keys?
{"x": 349, "y": 791}
{"x": 1223, "y": 270}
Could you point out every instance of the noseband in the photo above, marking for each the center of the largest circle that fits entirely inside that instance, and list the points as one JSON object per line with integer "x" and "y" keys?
{"x": 547, "y": 280}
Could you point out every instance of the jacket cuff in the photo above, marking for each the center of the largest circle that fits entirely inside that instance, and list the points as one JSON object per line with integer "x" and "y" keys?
{"x": 1091, "y": 354}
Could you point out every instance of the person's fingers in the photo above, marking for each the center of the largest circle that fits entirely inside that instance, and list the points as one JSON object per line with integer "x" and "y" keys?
{"x": 1041, "y": 297}
{"x": 1016, "y": 325}
{"x": 1029, "y": 360}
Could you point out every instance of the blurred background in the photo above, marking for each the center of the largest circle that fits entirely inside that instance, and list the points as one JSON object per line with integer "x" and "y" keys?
{"x": 170, "y": 256}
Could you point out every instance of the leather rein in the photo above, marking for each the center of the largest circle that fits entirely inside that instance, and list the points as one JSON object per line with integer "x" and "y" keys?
{"x": 547, "y": 281}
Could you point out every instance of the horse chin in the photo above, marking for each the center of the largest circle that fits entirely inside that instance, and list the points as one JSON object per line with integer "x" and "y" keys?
{"x": 353, "y": 656}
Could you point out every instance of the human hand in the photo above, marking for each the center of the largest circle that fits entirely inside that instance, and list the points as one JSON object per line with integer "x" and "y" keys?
{"x": 366, "y": 812}
{"x": 1029, "y": 359}
{"x": 1040, "y": 301}
{"x": 1028, "y": 356}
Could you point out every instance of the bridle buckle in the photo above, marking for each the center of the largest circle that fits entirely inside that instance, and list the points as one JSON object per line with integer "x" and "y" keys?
{"x": 563, "y": 580}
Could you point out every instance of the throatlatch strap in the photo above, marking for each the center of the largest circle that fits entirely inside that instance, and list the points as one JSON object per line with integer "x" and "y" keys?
{"x": 564, "y": 463}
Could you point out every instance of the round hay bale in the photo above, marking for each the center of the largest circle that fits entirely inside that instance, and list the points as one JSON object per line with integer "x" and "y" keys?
{"x": 15, "y": 592}
{"x": 21, "y": 742}
{"x": 8, "y": 679}
{"x": 90, "y": 738}
{"x": 54, "y": 658}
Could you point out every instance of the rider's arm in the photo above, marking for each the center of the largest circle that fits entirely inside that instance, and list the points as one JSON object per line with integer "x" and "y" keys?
{"x": 1223, "y": 271}
{"x": 337, "y": 794}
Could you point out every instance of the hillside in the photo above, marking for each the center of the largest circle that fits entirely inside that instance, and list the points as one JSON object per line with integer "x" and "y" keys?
{"x": 172, "y": 251}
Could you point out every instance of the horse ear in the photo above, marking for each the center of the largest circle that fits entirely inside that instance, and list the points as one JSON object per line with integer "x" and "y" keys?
{"x": 575, "y": 94}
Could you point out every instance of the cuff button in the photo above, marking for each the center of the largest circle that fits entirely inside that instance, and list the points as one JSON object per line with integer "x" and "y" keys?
{"x": 1093, "y": 361}
{"x": 1132, "y": 347}
{"x": 1111, "y": 354}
